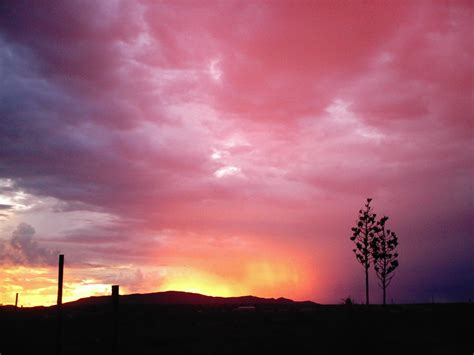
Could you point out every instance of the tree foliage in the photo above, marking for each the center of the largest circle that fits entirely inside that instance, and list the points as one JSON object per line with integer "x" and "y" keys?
{"x": 385, "y": 255}
{"x": 363, "y": 236}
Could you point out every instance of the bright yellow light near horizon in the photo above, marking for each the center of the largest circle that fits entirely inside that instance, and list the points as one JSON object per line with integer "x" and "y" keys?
{"x": 39, "y": 286}
{"x": 272, "y": 275}
{"x": 35, "y": 286}
{"x": 198, "y": 282}
{"x": 263, "y": 278}
{"x": 79, "y": 290}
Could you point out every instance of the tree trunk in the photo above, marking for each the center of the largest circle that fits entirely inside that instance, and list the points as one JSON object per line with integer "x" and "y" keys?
{"x": 384, "y": 275}
{"x": 366, "y": 284}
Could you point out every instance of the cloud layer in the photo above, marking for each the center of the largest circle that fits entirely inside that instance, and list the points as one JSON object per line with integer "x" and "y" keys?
{"x": 240, "y": 126}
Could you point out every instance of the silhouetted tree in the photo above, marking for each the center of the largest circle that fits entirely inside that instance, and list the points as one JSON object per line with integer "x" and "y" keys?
{"x": 385, "y": 255}
{"x": 363, "y": 237}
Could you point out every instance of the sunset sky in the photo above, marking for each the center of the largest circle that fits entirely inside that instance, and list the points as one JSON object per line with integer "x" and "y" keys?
{"x": 226, "y": 147}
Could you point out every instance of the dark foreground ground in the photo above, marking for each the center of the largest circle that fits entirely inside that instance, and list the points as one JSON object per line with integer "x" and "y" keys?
{"x": 157, "y": 329}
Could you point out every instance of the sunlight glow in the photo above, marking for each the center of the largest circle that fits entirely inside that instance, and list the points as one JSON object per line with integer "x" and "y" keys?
{"x": 37, "y": 286}
{"x": 199, "y": 282}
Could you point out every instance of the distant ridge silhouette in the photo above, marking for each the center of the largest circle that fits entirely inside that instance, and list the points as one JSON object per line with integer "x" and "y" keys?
{"x": 187, "y": 298}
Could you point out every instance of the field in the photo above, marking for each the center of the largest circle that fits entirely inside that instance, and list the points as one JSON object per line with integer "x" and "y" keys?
{"x": 225, "y": 329}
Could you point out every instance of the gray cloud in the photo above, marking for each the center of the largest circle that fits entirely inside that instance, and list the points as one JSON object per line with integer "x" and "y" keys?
{"x": 22, "y": 249}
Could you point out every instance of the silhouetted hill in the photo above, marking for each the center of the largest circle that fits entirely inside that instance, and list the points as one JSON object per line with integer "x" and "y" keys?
{"x": 187, "y": 298}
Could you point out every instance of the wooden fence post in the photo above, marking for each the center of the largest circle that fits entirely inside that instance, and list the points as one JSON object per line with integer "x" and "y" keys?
{"x": 115, "y": 317}
{"x": 59, "y": 329}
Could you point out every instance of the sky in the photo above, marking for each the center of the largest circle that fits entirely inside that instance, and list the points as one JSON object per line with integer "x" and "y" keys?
{"x": 226, "y": 147}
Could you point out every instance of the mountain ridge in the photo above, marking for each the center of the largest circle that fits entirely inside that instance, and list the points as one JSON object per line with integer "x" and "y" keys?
{"x": 187, "y": 298}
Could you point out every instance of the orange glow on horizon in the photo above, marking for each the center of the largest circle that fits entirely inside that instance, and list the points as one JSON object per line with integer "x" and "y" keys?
{"x": 272, "y": 275}
{"x": 198, "y": 282}
{"x": 37, "y": 286}
{"x": 262, "y": 278}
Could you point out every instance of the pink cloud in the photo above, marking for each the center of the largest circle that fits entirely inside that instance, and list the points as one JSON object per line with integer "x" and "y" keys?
{"x": 264, "y": 122}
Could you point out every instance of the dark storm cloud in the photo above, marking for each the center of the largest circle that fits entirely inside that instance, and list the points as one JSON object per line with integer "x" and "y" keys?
{"x": 64, "y": 105}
